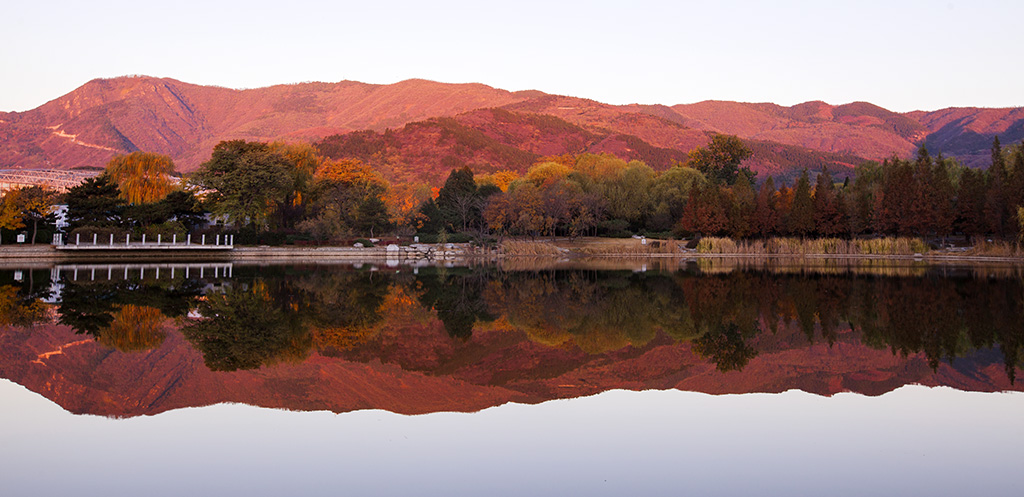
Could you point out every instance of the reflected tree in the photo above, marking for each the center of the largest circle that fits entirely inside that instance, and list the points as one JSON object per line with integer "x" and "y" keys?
{"x": 457, "y": 297}
{"x": 245, "y": 328}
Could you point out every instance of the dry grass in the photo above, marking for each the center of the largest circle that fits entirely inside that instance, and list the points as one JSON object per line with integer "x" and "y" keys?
{"x": 530, "y": 248}
{"x": 995, "y": 249}
{"x": 817, "y": 246}
{"x": 623, "y": 246}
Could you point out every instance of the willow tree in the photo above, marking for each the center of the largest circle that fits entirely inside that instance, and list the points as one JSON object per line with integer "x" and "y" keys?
{"x": 142, "y": 177}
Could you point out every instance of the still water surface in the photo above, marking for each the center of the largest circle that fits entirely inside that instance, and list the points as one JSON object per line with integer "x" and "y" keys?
{"x": 555, "y": 380}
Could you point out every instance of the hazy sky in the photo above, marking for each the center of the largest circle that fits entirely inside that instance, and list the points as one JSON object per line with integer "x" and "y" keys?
{"x": 902, "y": 55}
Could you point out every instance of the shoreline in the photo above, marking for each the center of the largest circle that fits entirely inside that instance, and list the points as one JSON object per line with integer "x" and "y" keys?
{"x": 48, "y": 254}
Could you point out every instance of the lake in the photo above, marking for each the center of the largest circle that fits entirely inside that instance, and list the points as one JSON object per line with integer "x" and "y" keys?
{"x": 609, "y": 377}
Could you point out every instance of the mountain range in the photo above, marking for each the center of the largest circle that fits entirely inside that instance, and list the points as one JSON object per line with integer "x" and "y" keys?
{"x": 420, "y": 369}
{"x": 417, "y": 130}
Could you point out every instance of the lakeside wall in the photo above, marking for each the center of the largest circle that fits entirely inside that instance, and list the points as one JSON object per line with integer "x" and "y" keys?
{"x": 30, "y": 255}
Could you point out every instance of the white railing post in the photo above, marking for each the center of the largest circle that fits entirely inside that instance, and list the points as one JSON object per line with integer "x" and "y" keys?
{"x": 188, "y": 239}
{"x": 94, "y": 238}
{"x": 217, "y": 242}
{"x": 158, "y": 237}
{"x": 174, "y": 239}
{"x": 111, "y": 239}
{"x": 204, "y": 239}
{"x": 78, "y": 237}
{"x": 143, "y": 238}
{"x": 127, "y": 239}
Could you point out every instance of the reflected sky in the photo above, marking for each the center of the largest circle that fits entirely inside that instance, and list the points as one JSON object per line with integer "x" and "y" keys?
{"x": 912, "y": 441}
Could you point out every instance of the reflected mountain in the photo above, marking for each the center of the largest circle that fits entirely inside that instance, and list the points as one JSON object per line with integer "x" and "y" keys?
{"x": 416, "y": 340}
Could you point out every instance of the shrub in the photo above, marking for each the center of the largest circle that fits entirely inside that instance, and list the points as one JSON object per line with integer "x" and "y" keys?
{"x": 85, "y": 234}
{"x": 165, "y": 230}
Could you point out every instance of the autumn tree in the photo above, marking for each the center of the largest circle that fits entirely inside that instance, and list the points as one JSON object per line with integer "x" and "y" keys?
{"x": 828, "y": 213}
{"x": 142, "y": 177}
{"x": 742, "y": 204}
{"x": 861, "y": 196}
{"x": 940, "y": 196}
{"x": 349, "y": 198}
{"x": 766, "y": 211}
{"x": 721, "y": 159}
{"x": 705, "y": 213}
{"x": 627, "y": 193}
{"x": 970, "y": 204}
{"x": 801, "y": 217}
{"x": 669, "y": 192}
{"x": 995, "y": 196}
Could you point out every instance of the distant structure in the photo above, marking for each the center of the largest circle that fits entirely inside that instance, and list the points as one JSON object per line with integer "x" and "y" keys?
{"x": 60, "y": 181}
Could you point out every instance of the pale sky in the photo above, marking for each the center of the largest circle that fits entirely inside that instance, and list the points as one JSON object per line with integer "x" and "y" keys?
{"x": 902, "y": 55}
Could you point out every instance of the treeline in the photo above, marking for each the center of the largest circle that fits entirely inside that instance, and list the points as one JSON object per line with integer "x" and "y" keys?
{"x": 265, "y": 192}
{"x": 273, "y": 192}
{"x": 711, "y": 195}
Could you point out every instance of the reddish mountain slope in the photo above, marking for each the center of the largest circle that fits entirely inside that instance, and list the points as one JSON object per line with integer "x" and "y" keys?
{"x": 859, "y": 128}
{"x": 488, "y": 140}
{"x": 967, "y": 132}
{"x": 107, "y": 116}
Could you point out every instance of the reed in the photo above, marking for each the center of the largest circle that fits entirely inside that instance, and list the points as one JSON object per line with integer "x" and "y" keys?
{"x": 995, "y": 249}
{"x": 817, "y": 246}
{"x": 530, "y": 248}
{"x": 892, "y": 246}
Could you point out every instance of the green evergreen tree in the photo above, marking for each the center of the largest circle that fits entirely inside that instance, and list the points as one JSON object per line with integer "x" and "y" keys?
{"x": 246, "y": 181}
{"x": 95, "y": 202}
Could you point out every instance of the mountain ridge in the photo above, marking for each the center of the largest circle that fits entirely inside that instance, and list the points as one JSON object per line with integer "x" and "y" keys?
{"x": 110, "y": 116}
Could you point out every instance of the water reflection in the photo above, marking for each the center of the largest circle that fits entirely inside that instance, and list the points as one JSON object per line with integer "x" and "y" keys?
{"x": 561, "y": 331}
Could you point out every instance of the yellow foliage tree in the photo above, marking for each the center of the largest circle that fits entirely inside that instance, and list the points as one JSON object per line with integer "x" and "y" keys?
{"x": 11, "y": 215}
{"x": 134, "y": 328}
{"x": 403, "y": 202}
{"x": 501, "y": 179}
{"x": 348, "y": 171}
{"x": 15, "y": 311}
{"x": 142, "y": 177}
{"x": 547, "y": 173}
{"x": 32, "y": 203}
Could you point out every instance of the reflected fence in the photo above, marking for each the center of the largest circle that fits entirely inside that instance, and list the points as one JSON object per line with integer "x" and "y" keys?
{"x": 154, "y": 271}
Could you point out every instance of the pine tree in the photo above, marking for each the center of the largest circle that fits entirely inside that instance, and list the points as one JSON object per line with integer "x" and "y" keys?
{"x": 766, "y": 213}
{"x": 95, "y": 202}
{"x": 826, "y": 212}
{"x": 970, "y": 204}
{"x": 801, "y": 218}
